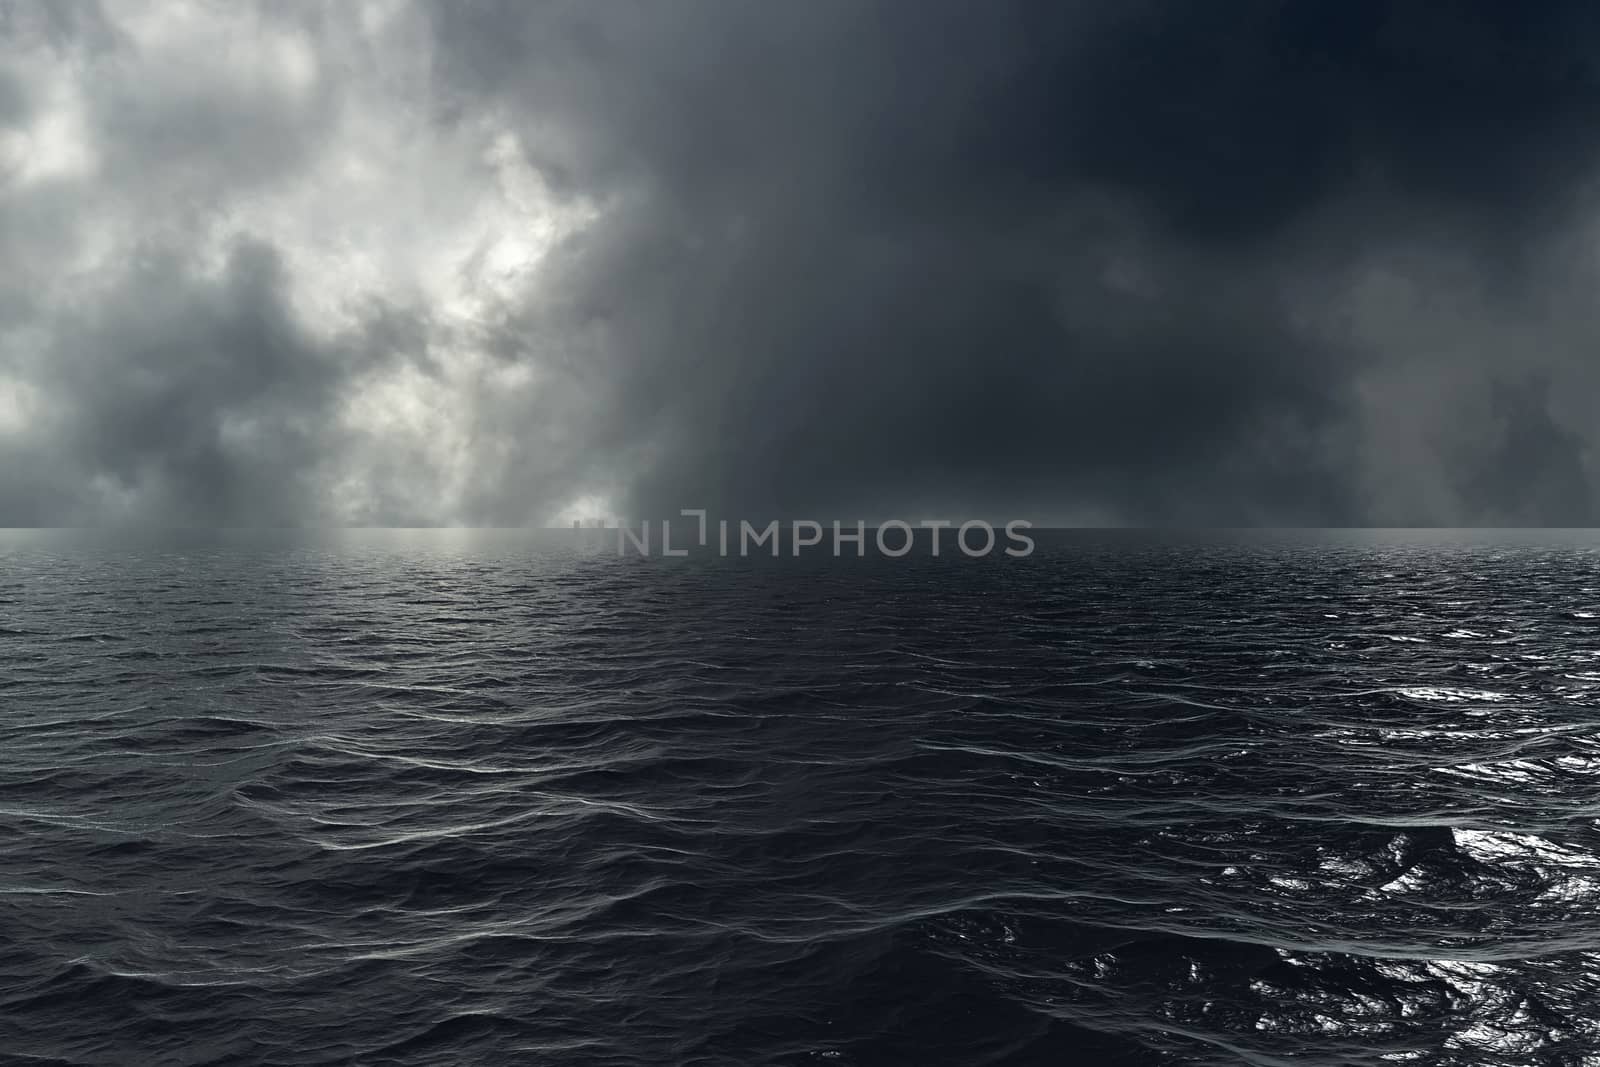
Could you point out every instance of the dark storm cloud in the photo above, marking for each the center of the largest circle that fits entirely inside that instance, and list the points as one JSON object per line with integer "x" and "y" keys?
{"x": 1031, "y": 256}
{"x": 1230, "y": 119}
{"x": 214, "y": 408}
{"x": 1162, "y": 262}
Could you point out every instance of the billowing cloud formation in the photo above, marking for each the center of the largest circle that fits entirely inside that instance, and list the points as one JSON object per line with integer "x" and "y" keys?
{"x": 498, "y": 263}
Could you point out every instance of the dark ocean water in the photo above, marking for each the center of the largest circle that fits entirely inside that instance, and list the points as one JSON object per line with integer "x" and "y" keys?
{"x": 449, "y": 798}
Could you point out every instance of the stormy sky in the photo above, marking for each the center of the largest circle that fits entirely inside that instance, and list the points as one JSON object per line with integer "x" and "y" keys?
{"x": 505, "y": 263}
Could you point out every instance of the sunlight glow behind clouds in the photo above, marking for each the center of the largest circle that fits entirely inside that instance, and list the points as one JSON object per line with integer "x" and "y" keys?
{"x": 375, "y": 206}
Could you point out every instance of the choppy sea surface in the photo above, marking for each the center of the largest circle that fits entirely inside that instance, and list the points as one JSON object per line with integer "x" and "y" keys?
{"x": 449, "y": 797}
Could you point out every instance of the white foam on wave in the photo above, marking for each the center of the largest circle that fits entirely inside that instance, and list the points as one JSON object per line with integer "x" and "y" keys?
{"x": 1450, "y": 694}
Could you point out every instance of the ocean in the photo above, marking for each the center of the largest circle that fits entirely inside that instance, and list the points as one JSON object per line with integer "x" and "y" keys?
{"x": 456, "y": 797}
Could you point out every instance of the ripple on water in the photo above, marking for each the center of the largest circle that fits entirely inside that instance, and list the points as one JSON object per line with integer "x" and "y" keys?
{"x": 467, "y": 800}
